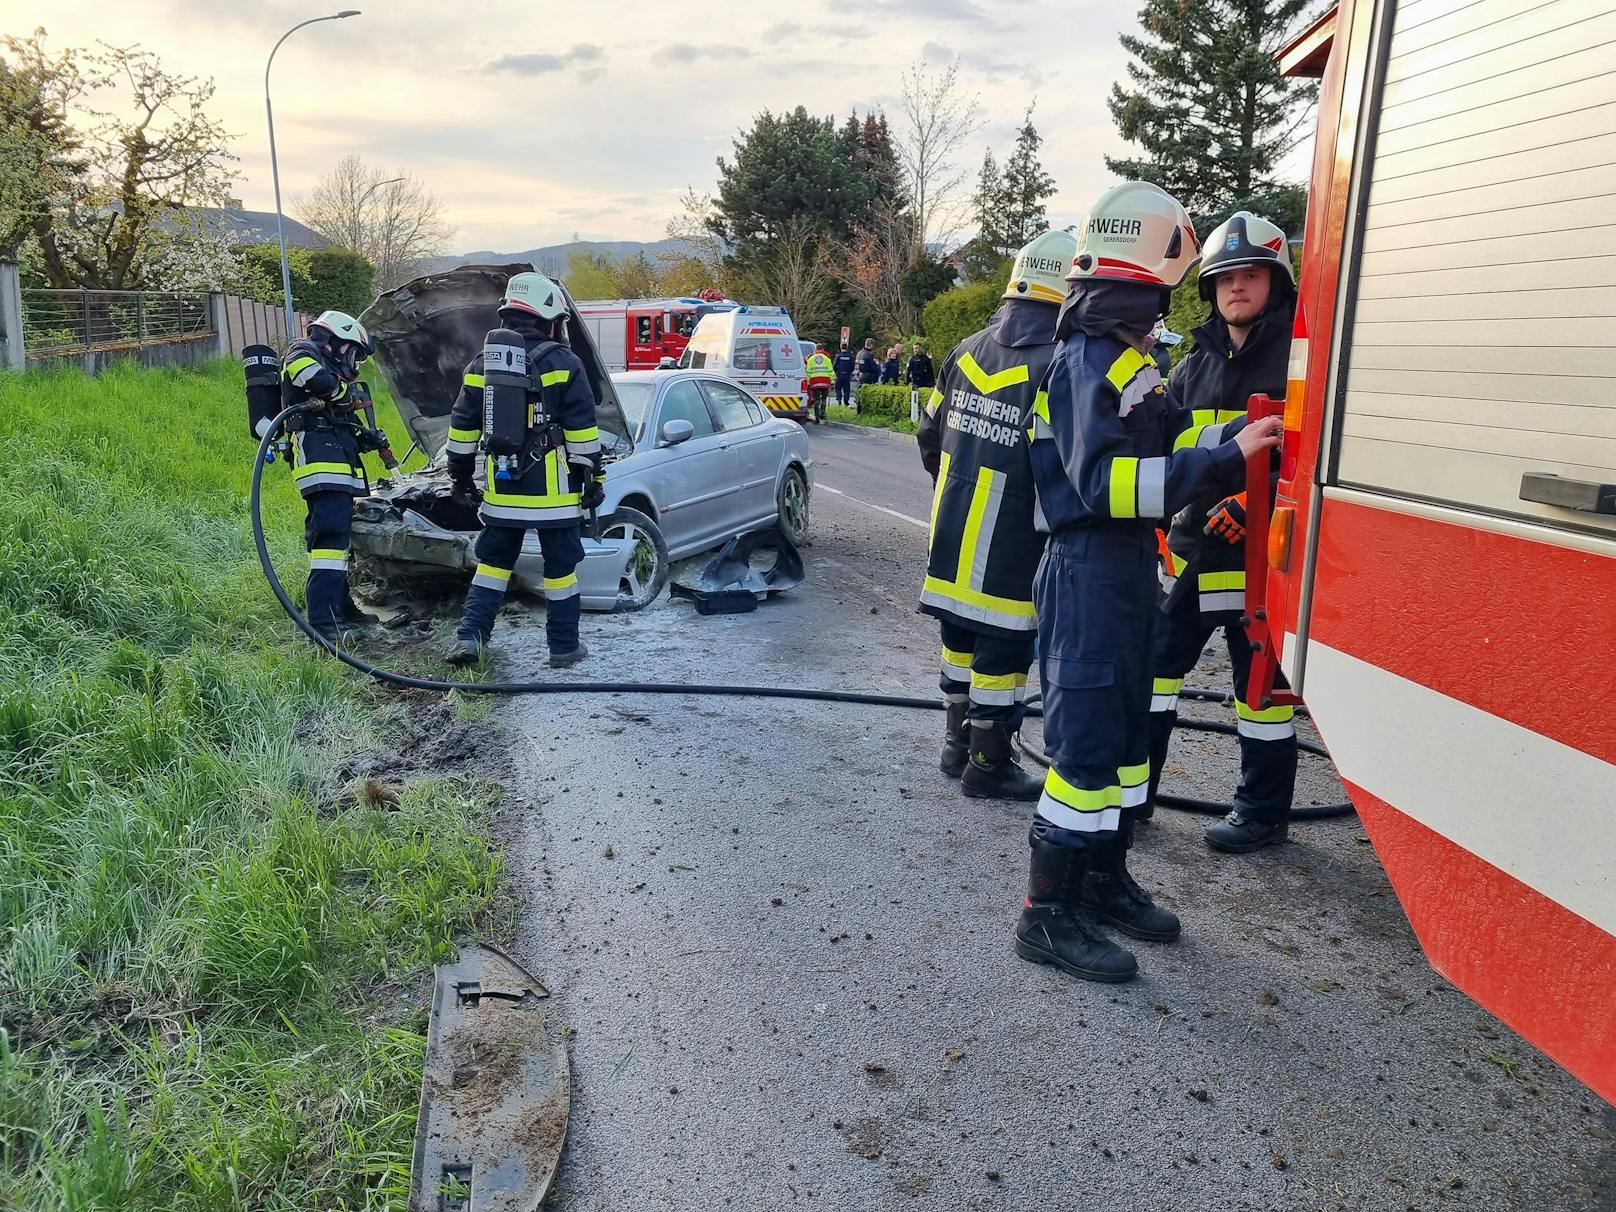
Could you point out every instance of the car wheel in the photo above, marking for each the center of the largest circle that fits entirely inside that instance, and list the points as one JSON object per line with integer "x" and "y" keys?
{"x": 792, "y": 498}
{"x": 647, "y": 571}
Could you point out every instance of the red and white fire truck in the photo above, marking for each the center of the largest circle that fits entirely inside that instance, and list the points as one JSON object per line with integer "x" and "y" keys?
{"x": 636, "y": 334}
{"x": 1439, "y": 581}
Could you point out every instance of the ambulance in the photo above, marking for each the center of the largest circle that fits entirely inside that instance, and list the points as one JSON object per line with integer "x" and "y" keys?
{"x": 758, "y": 348}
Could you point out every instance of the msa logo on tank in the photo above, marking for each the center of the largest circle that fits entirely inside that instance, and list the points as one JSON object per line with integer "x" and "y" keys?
{"x": 1000, "y": 421}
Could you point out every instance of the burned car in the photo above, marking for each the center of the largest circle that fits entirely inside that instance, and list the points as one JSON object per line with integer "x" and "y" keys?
{"x": 691, "y": 460}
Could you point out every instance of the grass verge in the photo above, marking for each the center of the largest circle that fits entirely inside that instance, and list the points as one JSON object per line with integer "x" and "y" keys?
{"x": 211, "y": 960}
{"x": 847, "y": 416}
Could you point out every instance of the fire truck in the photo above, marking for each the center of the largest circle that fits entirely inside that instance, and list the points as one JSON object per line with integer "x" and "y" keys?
{"x": 1439, "y": 580}
{"x": 637, "y": 334}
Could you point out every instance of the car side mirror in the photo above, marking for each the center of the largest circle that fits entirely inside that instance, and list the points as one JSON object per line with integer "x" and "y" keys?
{"x": 667, "y": 363}
{"x": 677, "y": 431}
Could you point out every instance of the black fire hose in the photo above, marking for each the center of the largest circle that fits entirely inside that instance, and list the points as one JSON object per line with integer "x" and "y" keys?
{"x": 388, "y": 677}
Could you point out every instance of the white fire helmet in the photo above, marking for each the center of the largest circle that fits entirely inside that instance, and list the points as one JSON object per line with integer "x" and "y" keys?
{"x": 344, "y": 327}
{"x": 1040, "y": 268}
{"x": 1136, "y": 232}
{"x": 1244, "y": 239}
{"x": 535, "y": 294}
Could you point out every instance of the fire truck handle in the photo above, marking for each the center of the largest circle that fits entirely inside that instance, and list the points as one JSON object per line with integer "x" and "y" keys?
{"x": 1265, "y": 416}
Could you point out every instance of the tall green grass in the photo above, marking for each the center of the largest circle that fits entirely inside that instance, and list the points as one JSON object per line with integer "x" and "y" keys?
{"x": 211, "y": 962}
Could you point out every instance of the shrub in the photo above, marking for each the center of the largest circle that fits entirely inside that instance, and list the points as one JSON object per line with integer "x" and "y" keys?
{"x": 889, "y": 401}
{"x": 956, "y": 314}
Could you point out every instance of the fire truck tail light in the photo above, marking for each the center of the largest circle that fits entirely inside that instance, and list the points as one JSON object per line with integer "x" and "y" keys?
{"x": 1280, "y": 527}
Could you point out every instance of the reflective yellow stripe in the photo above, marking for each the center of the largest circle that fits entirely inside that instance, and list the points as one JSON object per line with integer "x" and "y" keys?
{"x": 495, "y": 497}
{"x": 315, "y": 469}
{"x": 464, "y": 435}
{"x": 474, "y": 381}
{"x": 1265, "y": 715}
{"x": 327, "y": 553}
{"x": 1123, "y": 501}
{"x": 937, "y": 493}
{"x": 973, "y": 524}
{"x": 1175, "y": 563}
{"x": 951, "y": 657}
{"x": 1210, "y": 582}
{"x": 592, "y": 434}
{"x": 1228, "y": 414}
{"x": 1081, "y": 798}
{"x": 987, "y": 383}
{"x": 975, "y": 597}
{"x": 1132, "y": 776}
{"x": 1200, "y": 418}
{"x": 1167, "y": 686}
{"x": 551, "y": 377}
{"x": 1040, "y": 405}
{"x": 565, "y": 582}
{"x": 1128, "y": 364}
{"x": 298, "y": 364}
{"x": 997, "y": 681}
{"x": 498, "y": 574}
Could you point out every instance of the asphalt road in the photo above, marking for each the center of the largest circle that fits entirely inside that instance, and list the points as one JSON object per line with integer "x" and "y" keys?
{"x": 782, "y": 940}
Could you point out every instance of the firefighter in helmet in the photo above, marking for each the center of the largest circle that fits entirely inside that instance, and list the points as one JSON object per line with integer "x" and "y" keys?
{"x": 552, "y": 477}
{"x": 984, "y": 547}
{"x": 1241, "y": 350}
{"x": 321, "y": 368}
{"x": 1107, "y": 470}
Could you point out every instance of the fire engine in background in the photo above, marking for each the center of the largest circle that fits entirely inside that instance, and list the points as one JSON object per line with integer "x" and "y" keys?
{"x": 1439, "y": 580}
{"x": 637, "y": 334}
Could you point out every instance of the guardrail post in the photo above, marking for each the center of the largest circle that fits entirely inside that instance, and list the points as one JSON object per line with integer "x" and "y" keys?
{"x": 12, "y": 352}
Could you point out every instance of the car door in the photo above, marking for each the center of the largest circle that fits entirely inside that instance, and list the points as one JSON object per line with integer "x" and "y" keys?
{"x": 697, "y": 482}
{"x": 758, "y": 447}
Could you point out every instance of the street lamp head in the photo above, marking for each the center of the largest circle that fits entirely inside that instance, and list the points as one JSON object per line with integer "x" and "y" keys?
{"x": 349, "y": 12}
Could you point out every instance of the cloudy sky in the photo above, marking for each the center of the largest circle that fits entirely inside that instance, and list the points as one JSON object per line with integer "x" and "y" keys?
{"x": 534, "y": 121}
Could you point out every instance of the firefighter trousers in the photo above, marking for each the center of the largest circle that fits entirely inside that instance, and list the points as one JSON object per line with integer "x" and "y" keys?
{"x": 1267, "y": 735}
{"x": 497, "y": 550}
{"x": 327, "y": 530}
{"x": 987, "y": 670}
{"x": 1096, "y": 597}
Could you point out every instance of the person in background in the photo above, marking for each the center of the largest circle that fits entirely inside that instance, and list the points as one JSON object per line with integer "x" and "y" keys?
{"x": 890, "y": 368}
{"x": 869, "y": 366}
{"x": 919, "y": 372}
{"x": 843, "y": 365}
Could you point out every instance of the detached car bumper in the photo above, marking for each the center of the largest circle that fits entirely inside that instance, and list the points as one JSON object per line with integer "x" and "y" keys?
{"x": 415, "y": 527}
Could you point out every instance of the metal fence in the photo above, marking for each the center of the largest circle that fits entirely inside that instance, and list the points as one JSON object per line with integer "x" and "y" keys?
{"x": 68, "y": 323}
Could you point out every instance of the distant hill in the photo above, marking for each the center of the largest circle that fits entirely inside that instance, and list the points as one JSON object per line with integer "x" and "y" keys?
{"x": 554, "y": 255}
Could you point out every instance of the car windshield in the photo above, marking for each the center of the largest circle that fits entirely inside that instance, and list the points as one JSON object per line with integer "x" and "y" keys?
{"x": 635, "y": 399}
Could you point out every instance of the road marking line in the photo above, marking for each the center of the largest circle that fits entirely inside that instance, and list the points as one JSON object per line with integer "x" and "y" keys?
{"x": 880, "y": 508}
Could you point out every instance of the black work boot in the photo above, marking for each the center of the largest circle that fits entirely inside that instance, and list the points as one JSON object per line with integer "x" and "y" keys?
{"x": 561, "y": 660}
{"x": 1239, "y": 833}
{"x": 338, "y": 635}
{"x": 1112, "y": 895}
{"x": 956, "y": 742}
{"x": 1052, "y": 930}
{"x": 466, "y": 650}
{"x": 992, "y": 772}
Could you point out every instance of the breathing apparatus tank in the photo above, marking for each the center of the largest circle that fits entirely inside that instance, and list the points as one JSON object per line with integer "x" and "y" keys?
{"x": 263, "y": 369}
{"x": 507, "y": 401}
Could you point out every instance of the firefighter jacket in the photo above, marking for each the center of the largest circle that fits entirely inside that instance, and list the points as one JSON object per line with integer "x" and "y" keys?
{"x": 1212, "y": 386}
{"x": 819, "y": 368}
{"x": 919, "y": 371}
{"x": 869, "y": 367}
{"x": 844, "y": 365}
{"x": 562, "y": 450}
{"x": 325, "y": 444}
{"x": 973, "y": 441}
{"x": 1105, "y": 449}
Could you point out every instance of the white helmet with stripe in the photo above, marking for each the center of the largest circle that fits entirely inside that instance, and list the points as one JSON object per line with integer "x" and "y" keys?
{"x": 1137, "y": 232}
{"x": 535, "y": 294}
{"x": 1040, "y": 268}
{"x": 1245, "y": 239}
{"x": 343, "y": 327}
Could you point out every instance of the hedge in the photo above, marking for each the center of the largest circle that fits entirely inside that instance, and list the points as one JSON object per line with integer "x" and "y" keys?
{"x": 889, "y": 401}
{"x": 956, "y": 314}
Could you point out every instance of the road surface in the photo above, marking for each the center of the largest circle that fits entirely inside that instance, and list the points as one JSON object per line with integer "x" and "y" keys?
{"x": 782, "y": 941}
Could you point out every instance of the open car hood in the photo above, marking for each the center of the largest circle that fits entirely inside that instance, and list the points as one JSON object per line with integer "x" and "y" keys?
{"x": 425, "y": 332}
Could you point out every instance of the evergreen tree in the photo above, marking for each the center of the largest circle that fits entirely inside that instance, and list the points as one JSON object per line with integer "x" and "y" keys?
{"x": 1208, "y": 105}
{"x": 983, "y": 254}
{"x": 1025, "y": 189}
{"x": 788, "y": 170}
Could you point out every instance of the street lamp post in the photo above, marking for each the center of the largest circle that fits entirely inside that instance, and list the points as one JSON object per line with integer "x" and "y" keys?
{"x": 274, "y": 165}
{"x": 359, "y": 208}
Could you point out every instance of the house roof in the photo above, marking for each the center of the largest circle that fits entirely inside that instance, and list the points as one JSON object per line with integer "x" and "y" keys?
{"x": 258, "y": 226}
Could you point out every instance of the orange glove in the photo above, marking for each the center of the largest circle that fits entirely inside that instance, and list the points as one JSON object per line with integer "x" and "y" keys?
{"x": 1227, "y": 519}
